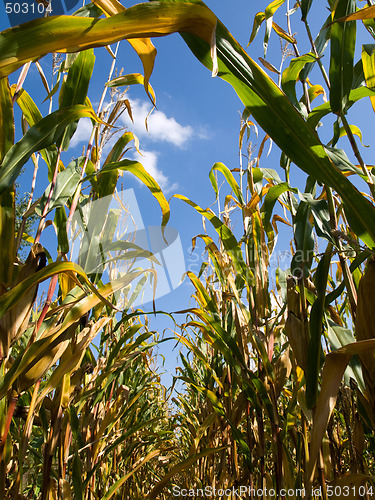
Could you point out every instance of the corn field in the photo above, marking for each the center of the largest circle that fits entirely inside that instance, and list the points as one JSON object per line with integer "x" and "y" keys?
{"x": 275, "y": 394}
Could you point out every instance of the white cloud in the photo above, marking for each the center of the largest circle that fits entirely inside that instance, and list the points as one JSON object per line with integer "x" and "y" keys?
{"x": 160, "y": 126}
{"x": 149, "y": 161}
{"x": 83, "y": 132}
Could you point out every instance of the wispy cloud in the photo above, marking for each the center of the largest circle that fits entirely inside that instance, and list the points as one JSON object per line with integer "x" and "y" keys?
{"x": 160, "y": 126}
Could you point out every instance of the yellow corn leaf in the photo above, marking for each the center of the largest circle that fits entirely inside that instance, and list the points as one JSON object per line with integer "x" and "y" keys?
{"x": 360, "y": 15}
{"x": 268, "y": 65}
{"x": 368, "y": 62}
{"x": 73, "y": 34}
{"x": 109, "y": 7}
{"x": 355, "y": 130}
{"x": 351, "y": 486}
{"x": 258, "y": 19}
{"x": 121, "y": 481}
{"x": 272, "y": 8}
{"x": 49, "y": 348}
{"x": 316, "y": 90}
{"x": 70, "y": 360}
{"x": 333, "y": 371}
{"x": 13, "y": 323}
{"x": 143, "y": 46}
{"x": 186, "y": 464}
{"x": 283, "y": 34}
{"x": 132, "y": 79}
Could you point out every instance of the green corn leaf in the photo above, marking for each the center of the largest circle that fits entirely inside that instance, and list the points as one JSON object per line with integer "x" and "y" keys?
{"x": 272, "y": 7}
{"x": 291, "y": 74}
{"x": 280, "y": 120}
{"x": 77, "y": 476}
{"x": 355, "y": 131}
{"x": 118, "y": 149}
{"x": 7, "y": 198}
{"x": 139, "y": 171}
{"x": 33, "y": 116}
{"x": 320, "y": 212}
{"x": 339, "y": 336}
{"x": 74, "y": 89}
{"x": 60, "y": 221}
{"x": 227, "y": 237}
{"x": 305, "y": 7}
{"x": 343, "y": 37}
{"x": 220, "y": 167}
{"x": 271, "y": 198}
{"x": 316, "y": 323}
{"x": 304, "y": 238}
{"x": 6, "y": 118}
{"x": 357, "y": 262}
{"x": 324, "y": 109}
{"x": 66, "y": 185}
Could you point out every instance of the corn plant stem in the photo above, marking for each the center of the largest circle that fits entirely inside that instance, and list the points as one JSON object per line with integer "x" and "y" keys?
{"x": 47, "y": 303}
{"x": 312, "y": 43}
{"x": 297, "y": 54}
{"x": 262, "y": 450}
{"x": 357, "y": 154}
{"x": 77, "y": 193}
{"x": 112, "y": 68}
{"x": 53, "y": 282}
{"x": 276, "y": 441}
{"x": 50, "y": 446}
{"x": 11, "y": 408}
{"x": 25, "y": 439}
{"x": 90, "y": 144}
{"x": 348, "y": 278}
{"x": 321, "y": 476}
{"x": 23, "y": 222}
{"x": 46, "y": 206}
{"x": 305, "y": 447}
{"x": 20, "y": 81}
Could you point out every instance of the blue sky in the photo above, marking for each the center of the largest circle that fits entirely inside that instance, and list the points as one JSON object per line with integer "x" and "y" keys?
{"x": 196, "y": 124}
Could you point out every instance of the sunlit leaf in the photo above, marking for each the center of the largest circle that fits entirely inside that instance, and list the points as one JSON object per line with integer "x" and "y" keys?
{"x": 73, "y": 34}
